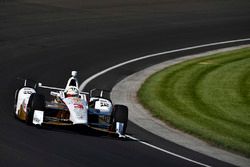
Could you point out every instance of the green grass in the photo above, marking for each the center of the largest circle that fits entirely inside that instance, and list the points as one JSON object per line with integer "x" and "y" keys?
{"x": 208, "y": 97}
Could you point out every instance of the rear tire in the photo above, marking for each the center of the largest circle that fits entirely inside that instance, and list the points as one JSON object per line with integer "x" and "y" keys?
{"x": 121, "y": 115}
{"x": 36, "y": 102}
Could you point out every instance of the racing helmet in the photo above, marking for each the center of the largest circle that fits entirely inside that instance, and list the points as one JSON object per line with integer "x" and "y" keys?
{"x": 72, "y": 91}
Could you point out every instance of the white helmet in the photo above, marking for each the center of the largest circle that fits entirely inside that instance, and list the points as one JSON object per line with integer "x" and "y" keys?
{"x": 72, "y": 91}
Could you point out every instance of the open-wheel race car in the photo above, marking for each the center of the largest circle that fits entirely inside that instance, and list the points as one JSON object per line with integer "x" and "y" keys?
{"x": 69, "y": 106}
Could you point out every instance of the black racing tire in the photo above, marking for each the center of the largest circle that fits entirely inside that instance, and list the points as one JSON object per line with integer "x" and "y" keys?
{"x": 121, "y": 115}
{"x": 36, "y": 102}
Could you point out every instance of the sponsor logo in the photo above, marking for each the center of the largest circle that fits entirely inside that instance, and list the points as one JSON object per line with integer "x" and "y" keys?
{"x": 104, "y": 103}
{"x": 37, "y": 120}
{"x": 79, "y": 106}
{"x": 28, "y": 92}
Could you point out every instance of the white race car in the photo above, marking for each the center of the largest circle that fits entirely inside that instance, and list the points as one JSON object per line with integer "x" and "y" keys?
{"x": 69, "y": 106}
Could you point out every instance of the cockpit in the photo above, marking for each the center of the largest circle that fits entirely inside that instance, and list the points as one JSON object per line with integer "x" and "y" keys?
{"x": 72, "y": 89}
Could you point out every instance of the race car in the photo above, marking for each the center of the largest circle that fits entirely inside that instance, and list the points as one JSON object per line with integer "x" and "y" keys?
{"x": 69, "y": 106}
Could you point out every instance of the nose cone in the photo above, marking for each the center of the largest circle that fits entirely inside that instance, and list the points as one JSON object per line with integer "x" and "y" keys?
{"x": 78, "y": 110}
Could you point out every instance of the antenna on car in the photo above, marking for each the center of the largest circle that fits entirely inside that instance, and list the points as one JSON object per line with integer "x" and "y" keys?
{"x": 25, "y": 82}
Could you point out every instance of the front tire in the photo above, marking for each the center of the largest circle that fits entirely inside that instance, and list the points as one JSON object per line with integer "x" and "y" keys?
{"x": 36, "y": 102}
{"x": 121, "y": 115}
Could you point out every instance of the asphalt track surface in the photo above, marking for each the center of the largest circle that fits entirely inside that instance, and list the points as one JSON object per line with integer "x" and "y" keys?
{"x": 45, "y": 39}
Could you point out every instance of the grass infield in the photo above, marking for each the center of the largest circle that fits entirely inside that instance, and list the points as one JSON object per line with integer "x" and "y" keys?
{"x": 208, "y": 97}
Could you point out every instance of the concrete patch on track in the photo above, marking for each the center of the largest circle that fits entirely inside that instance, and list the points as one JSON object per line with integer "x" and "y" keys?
{"x": 125, "y": 93}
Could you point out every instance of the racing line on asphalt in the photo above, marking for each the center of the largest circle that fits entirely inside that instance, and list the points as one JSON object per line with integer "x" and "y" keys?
{"x": 165, "y": 151}
{"x": 83, "y": 85}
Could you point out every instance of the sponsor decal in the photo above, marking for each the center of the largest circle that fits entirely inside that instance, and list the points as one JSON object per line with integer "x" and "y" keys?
{"x": 79, "y": 106}
{"x": 28, "y": 92}
{"x": 37, "y": 119}
{"x": 104, "y": 103}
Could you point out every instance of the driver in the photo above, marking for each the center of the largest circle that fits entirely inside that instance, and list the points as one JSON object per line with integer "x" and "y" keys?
{"x": 72, "y": 91}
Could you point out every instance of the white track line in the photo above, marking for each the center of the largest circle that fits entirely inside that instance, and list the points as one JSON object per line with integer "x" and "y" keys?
{"x": 167, "y": 152}
{"x": 82, "y": 86}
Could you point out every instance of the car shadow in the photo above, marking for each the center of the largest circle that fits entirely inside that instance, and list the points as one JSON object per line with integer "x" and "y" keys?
{"x": 82, "y": 130}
